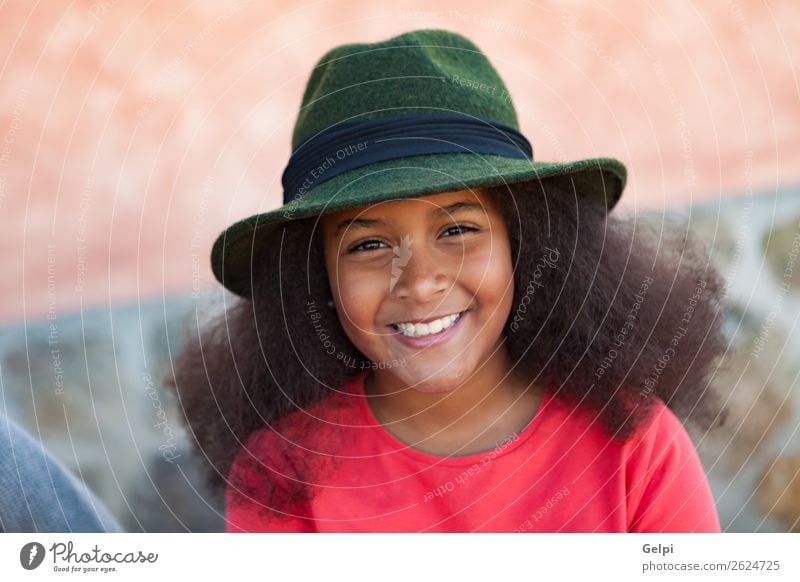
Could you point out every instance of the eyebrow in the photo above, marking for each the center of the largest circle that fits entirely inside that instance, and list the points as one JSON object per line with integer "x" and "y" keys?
{"x": 438, "y": 211}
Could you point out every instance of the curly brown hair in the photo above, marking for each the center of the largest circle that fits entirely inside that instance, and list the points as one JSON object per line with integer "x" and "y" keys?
{"x": 629, "y": 312}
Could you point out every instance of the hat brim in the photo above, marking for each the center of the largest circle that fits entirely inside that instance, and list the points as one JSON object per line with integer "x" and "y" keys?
{"x": 233, "y": 251}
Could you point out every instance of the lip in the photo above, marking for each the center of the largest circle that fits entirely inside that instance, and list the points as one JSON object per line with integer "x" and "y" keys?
{"x": 436, "y": 338}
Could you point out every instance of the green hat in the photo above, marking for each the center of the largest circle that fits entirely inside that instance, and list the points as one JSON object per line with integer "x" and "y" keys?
{"x": 421, "y": 113}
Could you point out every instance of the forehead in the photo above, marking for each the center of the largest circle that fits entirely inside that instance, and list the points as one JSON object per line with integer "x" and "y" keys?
{"x": 477, "y": 196}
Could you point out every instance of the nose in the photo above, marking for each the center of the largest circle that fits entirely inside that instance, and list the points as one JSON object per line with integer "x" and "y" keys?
{"x": 418, "y": 273}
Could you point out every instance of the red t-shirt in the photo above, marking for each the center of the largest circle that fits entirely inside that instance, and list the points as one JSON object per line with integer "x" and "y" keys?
{"x": 561, "y": 473}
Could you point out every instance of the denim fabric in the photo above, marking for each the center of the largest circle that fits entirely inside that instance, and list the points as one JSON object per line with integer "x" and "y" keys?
{"x": 39, "y": 494}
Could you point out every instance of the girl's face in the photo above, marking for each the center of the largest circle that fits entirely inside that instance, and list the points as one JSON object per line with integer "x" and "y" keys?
{"x": 442, "y": 260}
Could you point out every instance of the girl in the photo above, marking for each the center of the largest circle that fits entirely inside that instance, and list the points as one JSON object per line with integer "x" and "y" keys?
{"x": 437, "y": 333}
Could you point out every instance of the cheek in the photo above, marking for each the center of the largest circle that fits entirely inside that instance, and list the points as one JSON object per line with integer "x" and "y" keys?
{"x": 358, "y": 296}
{"x": 357, "y": 293}
{"x": 491, "y": 274}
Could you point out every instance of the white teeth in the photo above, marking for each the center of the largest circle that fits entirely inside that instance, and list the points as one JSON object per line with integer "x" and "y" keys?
{"x": 423, "y": 329}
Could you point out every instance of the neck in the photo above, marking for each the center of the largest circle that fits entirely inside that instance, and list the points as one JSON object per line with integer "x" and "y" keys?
{"x": 488, "y": 394}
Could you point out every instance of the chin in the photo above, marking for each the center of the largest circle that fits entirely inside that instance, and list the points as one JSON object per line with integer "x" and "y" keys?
{"x": 434, "y": 381}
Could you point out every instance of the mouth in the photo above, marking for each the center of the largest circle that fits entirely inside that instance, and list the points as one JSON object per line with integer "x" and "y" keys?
{"x": 429, "y": 329}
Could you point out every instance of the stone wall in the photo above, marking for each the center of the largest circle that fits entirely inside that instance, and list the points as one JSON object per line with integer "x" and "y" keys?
{"x": 87, "y": 384}
{"x": 753, "y": 462}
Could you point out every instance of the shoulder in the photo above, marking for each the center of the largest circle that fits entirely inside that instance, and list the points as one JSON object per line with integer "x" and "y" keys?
{"x": 658, "y": 431}
{"x": 655, "y": 422}
{"x": 661, "y": 433}
{"x": 667, "y": 453}
{"x": 313, "y": 428}
{"x": 666, "y": 482}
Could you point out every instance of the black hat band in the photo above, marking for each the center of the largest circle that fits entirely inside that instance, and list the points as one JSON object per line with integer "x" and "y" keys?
{"x": 356, "y": 143}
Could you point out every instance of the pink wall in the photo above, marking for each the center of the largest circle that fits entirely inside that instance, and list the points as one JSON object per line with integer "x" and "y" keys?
{"x": 131, "y": 136}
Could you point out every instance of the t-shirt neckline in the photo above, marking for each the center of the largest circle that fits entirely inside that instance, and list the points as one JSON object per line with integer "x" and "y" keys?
{"x": 505, "y": 447}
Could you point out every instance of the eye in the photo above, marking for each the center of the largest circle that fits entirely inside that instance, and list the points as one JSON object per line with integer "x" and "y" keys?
{"x": 460, "y": 228}
{"x": 360, "y": 247}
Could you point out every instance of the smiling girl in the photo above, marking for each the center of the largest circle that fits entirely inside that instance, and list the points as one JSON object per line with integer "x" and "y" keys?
{"x": 437, "y": 333}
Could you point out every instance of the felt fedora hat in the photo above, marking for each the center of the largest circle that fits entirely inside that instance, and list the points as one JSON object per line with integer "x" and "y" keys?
{"x": 421, "y": 113}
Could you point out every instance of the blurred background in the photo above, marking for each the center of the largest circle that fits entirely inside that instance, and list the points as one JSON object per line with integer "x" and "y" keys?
{"x": 132, "y": 133}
